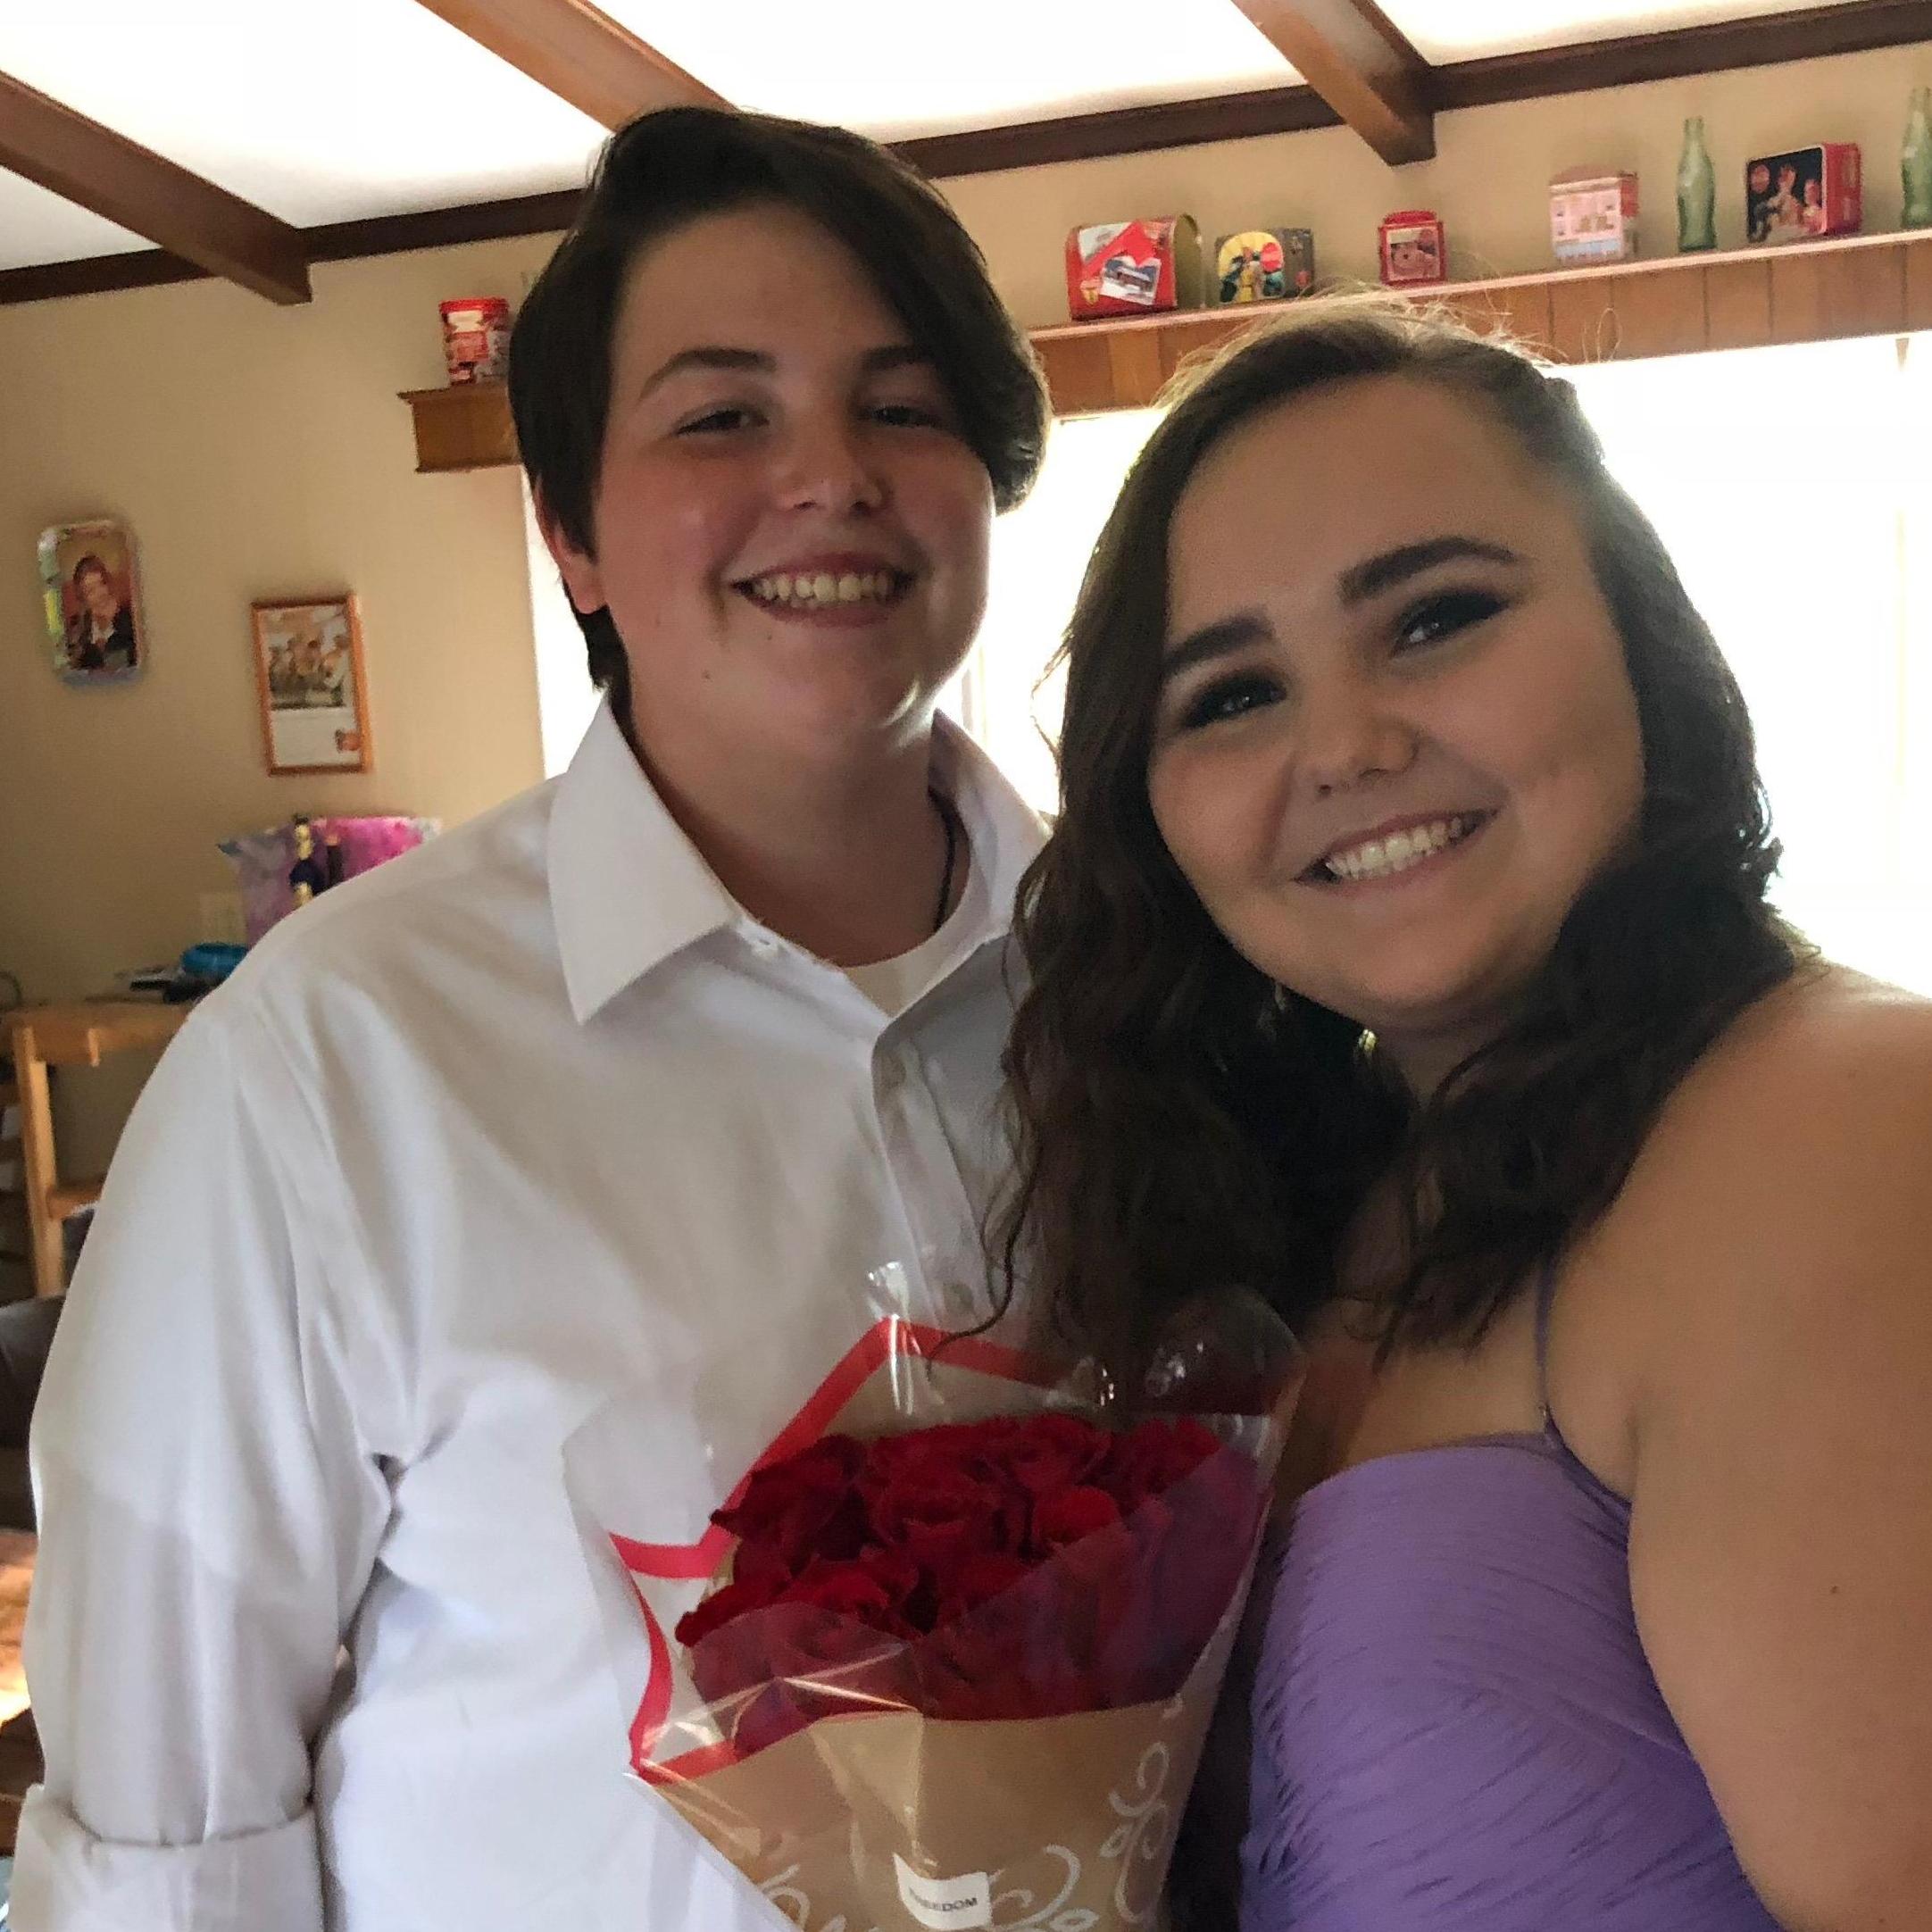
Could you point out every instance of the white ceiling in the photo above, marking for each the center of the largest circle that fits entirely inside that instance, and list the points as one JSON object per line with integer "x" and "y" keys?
{"x": 327, "y": 113}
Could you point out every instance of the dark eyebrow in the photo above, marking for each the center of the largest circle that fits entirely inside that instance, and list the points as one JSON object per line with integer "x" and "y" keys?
{"x": 752, "y": 360}
{"x": 1370, "y": 578}
{"x": 1358, "y": 584}
{"x": 898, "y": 355}
{"x": 756, "y": 361}
{"x": 1218, "y": 639}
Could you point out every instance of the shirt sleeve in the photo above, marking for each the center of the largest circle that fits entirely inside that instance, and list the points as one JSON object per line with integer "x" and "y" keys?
{"x": 209, "y": 1513}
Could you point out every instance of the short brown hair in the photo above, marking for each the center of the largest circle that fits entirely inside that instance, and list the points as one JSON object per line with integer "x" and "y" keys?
{"x": 672, "y": 167}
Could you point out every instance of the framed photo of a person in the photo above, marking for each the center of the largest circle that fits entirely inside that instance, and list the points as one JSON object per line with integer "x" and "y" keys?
{"x": 92, "y": 597}
{"x": 314, "y": 697}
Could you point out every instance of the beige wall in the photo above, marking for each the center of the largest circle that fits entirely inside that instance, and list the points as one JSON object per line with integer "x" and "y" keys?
{"x": 260, "y": 451}
{"x": 256, "y": 451}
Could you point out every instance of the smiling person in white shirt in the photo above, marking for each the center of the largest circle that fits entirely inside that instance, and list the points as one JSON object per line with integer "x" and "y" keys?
{"x": 624, "y": 1088}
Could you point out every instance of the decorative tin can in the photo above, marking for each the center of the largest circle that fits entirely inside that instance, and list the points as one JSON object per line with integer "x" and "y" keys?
{"x": 1592, "y": 216}
{"x": 1415, "y": 249}
{"x": 1134, "y": 268}
{"x": 476, "y": 339}
{"x": 1264, "y": 265}
{"x": 1800, "y": 195}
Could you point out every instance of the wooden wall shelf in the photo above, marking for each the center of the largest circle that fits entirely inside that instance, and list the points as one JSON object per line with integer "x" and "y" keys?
{"x": 1861, "y": 285}
{"x": 1822, "y": 291}
{"x": 465, "y": 426}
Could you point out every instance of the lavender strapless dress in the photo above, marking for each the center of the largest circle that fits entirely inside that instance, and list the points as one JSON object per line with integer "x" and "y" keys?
{"x": 1455, "y": 1728}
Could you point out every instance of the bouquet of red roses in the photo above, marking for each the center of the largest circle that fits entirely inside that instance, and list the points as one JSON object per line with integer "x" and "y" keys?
{"x": 946, "y": 1653}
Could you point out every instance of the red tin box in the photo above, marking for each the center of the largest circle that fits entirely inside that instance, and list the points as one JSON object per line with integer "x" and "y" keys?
{"x": 1413, "y": 248}
{"x": 1800, "y": 195}
{"x": 476, "y": 339}
{"x": 1133, "y": 268}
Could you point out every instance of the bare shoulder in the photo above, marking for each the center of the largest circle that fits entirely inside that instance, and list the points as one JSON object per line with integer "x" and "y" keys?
{"x": 1778, "y": 1226}
{"x": 1785, "y": 1192}
{"x": 1830, "y": 1033}
{"x": 1806, "y": 1116}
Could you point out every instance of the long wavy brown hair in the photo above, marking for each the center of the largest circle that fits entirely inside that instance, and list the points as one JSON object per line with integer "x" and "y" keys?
{"x": 1183, "y": 1123}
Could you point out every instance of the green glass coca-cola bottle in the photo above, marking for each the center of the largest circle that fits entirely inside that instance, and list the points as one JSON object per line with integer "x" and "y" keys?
{"x": 1915, "y": 161}
{"x": 1696, "y": 192}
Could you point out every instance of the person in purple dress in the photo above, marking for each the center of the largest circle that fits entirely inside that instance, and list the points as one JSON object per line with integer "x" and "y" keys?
{"x": 1403, "y": 948}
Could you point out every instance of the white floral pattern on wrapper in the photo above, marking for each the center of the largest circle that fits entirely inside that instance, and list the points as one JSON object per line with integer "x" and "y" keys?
{"x": 1143, "y": 1839}
{"x": 789, "y": 1900}
{"x": 1145, "y": 1833}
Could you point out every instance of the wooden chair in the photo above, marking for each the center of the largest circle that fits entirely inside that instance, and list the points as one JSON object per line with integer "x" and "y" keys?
{"x": 13, "y": 1182}
{"x": 46, "y": 1037}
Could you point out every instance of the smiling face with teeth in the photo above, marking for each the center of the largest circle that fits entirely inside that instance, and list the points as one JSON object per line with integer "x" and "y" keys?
{"x": 1396, "y": 737}
{"x": 790, "y": 533}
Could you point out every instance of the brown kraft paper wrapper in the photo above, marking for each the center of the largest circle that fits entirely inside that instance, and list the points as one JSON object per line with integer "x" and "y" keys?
{"x": 901, "y": 1823}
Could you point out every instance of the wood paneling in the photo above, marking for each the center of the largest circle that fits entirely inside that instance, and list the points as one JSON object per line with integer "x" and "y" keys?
{"x": 1583, "y": 318}
{"x": 1095, "y": 366}
{"x": 1079, "y": 372}
{"x": 1738, "y": 304}
{"x": 1659, "y": 314}
{"x": 129, "y": 185}
{"x": 1139, "y": 369}
{"x": 1864, "y": 292}
{"x": 1522, "y": 309}
{"x": 1918, "y": 283}
{"x": 1797, "y": 296}
{"x": 1360, "y": 63}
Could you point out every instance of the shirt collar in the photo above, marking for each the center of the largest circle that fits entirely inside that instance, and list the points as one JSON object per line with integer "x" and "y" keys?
{"x": 628, "y": 889}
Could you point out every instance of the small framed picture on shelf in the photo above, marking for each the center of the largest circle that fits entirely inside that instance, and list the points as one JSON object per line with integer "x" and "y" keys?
{"x": 314, "y": 694}
{"x": 91, "y": 594}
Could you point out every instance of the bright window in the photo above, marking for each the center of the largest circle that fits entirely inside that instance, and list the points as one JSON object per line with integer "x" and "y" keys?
{"x": 1793, "y": 487}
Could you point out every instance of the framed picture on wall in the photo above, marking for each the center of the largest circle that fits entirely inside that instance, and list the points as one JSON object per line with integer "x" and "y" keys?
{"x": 91, "y": 594}
{"x": 309, "y": 673}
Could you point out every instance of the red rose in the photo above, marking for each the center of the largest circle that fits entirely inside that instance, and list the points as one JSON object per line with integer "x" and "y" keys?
{"x": 819, "y": 1665}
{"x": 1008, "y": 1567}
{"x": 871, "y": 1589}
{"x": 1049, "y": 1453}
{"x": 939, "y": 1514}
{"x": 947, "y": 1445}
{"x": 1214, "y": 1514}
{"x": 898, "y": 1575}
{"x": 1018, "y": 1653}
{"x": 1153, "y": 1456}
{"x": 721, "y": 1637}
{"x": 718, "y": 1609}
{"x": 760, "y": 1564}
{"x": 804, "y": 1506}
{"x": 977, "y": 1579}
{"x": 1066, "y": 1517}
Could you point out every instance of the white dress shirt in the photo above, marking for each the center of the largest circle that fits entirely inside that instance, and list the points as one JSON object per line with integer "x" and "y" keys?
{"x": 528, "y": 1122}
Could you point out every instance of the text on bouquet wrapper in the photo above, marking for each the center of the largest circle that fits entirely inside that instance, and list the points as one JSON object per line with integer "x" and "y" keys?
{"x": 945, "y": 1903}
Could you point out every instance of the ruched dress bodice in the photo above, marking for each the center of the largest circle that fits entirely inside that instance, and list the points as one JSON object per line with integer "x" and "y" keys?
{"x": 1456, "y": 1727}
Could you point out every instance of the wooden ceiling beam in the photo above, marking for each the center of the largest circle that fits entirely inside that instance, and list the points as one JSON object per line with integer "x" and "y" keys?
{"x": 1361, "y": 64}
{"x": 580, "y": 55}
{"x": 1811, "y": 33}
{"x": 135, "y": 188}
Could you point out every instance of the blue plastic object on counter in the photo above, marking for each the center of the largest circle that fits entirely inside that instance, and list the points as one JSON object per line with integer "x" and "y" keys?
{"x": 213, "y": 961}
